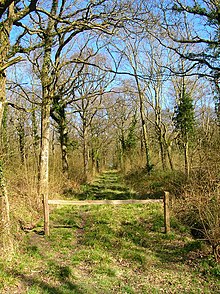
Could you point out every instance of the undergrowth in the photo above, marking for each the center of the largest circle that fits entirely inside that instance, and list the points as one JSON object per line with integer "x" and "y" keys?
{"x": 154, "y": 184}
{"x": 195, "y": 200}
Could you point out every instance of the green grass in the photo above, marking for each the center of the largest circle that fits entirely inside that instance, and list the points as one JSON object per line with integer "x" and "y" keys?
{"x": 110, "y": 249}
{"x": 109, "y": 185}
{"x": 154, "y": 184}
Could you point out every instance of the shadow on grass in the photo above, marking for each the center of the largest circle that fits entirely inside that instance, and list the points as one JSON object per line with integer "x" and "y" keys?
{"x": 141, "y": 235}
{"x": 33, "y": 282}
{"x": 108, "y": 186}
{"x": 61, "y": 273}
{"x": 108, "y": 195}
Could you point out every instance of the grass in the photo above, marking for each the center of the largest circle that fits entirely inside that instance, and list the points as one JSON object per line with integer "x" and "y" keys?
{"x": 110, "y": 249}
{"x": 152, "y": 185}
{"x": 108, "y": 186}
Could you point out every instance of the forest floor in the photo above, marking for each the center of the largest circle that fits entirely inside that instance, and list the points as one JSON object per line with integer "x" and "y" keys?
{"x": 109, "y": 249}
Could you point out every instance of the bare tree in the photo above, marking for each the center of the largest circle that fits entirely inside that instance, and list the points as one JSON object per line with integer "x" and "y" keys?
{"x": 88, "y": 102}
{"x": 10, "y": 16}
{"x": 122, "y": 114}
{"x": 153, "y": 66}
{"x": 57, "y": 28}
{"x": 130, "y": 53}
{"x": 199, "y": 44}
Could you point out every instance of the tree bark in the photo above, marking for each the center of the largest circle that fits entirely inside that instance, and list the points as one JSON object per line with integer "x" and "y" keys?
{"x": 95, "y": 161}
{"x": 58, "y": 113}
{"x": 21, "y": 135}
{"x": 47, "y": 95}
{"x": 144, "y": 127}
{"x": 63, "y": 145}
{"x": 159, "y": 126}
{"x": 35, "y": 136}
{"x": 170, "y": 157}
{"x": 85, "y": 152}
{"x": 186, "y": 158}
{"x": 6, "y": 241}
{"x": 44, "y": 157}
{"x": 162, "y": 153}
{"x": 5, "y": 225}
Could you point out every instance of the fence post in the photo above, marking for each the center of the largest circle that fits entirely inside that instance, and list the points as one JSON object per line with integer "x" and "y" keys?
{"x": 46, "y": 216}
{"x": 166, "y": 200}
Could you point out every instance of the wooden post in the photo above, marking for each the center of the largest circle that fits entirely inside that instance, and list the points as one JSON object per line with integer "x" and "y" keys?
{"x": 166, "y": 200}
{"x": 46, "y": 217}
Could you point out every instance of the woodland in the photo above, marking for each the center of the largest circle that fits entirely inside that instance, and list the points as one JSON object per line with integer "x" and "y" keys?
{"x": 94, "y": 86}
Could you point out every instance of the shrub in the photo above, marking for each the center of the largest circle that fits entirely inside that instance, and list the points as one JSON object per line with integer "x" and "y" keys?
{"x": 199, "y": 208}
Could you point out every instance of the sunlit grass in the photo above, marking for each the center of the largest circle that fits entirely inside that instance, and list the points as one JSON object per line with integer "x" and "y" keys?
{"x": 109, "y": 249}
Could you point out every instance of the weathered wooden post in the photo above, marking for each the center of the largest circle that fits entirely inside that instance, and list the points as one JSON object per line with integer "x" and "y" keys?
{"x": 166, "y": 200}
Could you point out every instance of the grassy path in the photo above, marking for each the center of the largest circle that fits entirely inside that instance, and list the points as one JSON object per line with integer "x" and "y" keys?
{"x": 108, "y": 185}
{"x": 108, "y": 249}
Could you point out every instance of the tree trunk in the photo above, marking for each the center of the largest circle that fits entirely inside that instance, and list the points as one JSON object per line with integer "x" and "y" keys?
{"x": 144, "y": 127}
{"x": 6, "y": 241}
{"x": 47, "y": 96}
{"x": 4, "y": 133}
{"x": 44, "y": 156}
{"x": 58, "y": 113}
{"x": 186, "y": 158}
{"x": 170, "y": 157}
{"x": 161, "y": 142}
{"x": 35, "y": 135}
{"x": 5, "y": 224}
{"x": 159, "y": 126}
{"x": 134, "y": 65}
{"x": 63, "y": 141}
{"x": 123, "y": 150}
{"x": 6, "y": 237}
{"x": 21, "y": 135}
{"x": 93, "y": 158}
{"x": 95, "y": 161}
{"x": 162, "y": 154}
{"x": 85, "y": 152}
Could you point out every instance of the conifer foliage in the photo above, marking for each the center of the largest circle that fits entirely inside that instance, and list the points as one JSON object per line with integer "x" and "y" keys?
{"x": 184, "y": 117}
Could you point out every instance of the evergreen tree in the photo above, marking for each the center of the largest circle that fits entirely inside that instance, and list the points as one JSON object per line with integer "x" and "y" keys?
{"x": 184, "y": 116}
{"x": 184, "y": 121}
{"x": 131, "y": 141}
